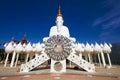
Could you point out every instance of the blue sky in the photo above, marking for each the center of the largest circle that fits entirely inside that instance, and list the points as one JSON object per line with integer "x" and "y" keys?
{"x": 87, "y": 20}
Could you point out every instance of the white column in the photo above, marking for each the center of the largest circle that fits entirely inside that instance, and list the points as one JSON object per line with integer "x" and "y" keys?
{"x": 80, "y": 55}
{"x": 6, "y": 60}
{"x": 46, "y": 63}
{"x": 109, "y": 59}
{"x": 27, "y": 56}
{"x": 13, "y": 59}
{"x": 99, "y": 60}
{"x": 31, "y": 56}
{"x": 103, "y": 59}
{"x": 36, "y": 54}
{"x": 86, "y": 57}
{"x": 89, "y": 57}
{"x": 16, "y": 59}
{"x": 70, "y": 63}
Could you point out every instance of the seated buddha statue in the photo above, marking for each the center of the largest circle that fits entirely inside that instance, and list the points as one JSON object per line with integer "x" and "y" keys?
{"x": 59, "y": 28}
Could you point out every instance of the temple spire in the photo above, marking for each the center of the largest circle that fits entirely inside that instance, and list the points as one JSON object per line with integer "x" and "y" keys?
{"x": 13, "y": 39}
{"x": 25, "y": 35}
{"x": 59, "y": 20}
{"x": 59, "y": 11}
{"x": 24, "y": 40}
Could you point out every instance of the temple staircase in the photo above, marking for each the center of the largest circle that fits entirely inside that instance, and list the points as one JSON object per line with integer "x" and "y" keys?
{"x": 81, "y": 63}
{"x": 34, "y": 63}
{"x": 43, "y": 57}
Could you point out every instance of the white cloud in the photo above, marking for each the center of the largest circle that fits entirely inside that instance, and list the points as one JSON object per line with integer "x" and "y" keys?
{"x": 110, "y": 21}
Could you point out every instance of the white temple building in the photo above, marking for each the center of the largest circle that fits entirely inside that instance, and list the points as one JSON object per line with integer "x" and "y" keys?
{"x": 58, "y": 47}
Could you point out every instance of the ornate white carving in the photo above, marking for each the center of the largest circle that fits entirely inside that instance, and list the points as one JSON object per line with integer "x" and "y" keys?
{"x": 58, "y": 47}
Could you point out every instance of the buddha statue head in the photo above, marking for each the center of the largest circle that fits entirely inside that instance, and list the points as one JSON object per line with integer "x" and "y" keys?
{"x": 59, "y": 21}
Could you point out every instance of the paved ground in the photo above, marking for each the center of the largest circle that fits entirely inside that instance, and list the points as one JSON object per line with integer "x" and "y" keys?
{"x": 43, "y": 73}
{"x": 58, "y": 77}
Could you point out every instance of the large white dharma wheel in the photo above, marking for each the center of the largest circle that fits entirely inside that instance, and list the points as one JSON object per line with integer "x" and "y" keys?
{"x": 58, "y": 47}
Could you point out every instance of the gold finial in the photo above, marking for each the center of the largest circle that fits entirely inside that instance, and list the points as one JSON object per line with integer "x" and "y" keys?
{"x": 59, "y": 11}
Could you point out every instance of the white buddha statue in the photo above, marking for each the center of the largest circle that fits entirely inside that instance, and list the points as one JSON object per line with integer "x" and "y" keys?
{"x": 59, "y": 29}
